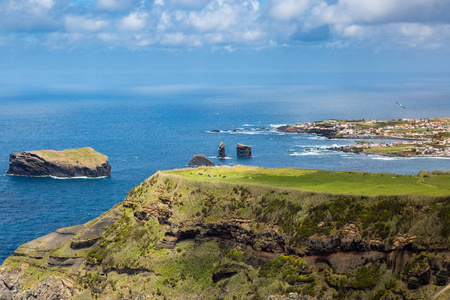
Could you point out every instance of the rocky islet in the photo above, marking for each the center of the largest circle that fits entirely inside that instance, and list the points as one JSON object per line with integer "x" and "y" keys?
{"x": 80, "y": 162}
{"x": 200, "y": 160}
{"x": 243, "y": 150}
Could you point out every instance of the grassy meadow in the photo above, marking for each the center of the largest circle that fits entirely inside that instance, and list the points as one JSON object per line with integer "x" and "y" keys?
{"x": 334, "y": 182}
{"x": 81, "y": 156}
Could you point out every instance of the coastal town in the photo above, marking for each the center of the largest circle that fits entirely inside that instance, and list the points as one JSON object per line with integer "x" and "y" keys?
{"x": 409, "y": 137}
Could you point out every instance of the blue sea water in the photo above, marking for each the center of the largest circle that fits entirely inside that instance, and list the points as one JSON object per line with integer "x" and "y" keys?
{"x": 147, "y": 128}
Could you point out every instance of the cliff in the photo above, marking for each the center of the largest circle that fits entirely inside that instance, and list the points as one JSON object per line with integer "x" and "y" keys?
{"x": 243, "y": 150}
{"x": 185, "y": 235}
{"x": 67, "y": 163}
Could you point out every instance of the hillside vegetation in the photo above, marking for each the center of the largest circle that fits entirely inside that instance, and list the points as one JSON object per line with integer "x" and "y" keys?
{"x": 250, "y": 233}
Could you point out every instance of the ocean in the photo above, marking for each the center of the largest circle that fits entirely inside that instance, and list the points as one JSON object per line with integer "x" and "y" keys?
{"x": 149, "y": 127}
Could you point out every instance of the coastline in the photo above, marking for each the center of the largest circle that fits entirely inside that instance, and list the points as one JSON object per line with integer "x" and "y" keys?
{"x": 353, "y": 137}
{"x": 390, "y": 155}
{"x": 432, "y": 136}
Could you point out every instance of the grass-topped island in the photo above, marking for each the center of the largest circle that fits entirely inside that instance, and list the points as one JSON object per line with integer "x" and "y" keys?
{"x": 79, "y": 162}
{"x": 250, "y": 233}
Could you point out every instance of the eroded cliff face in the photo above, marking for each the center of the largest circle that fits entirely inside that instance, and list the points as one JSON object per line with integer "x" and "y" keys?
{"x": 181, "y": 239}
{"x": 82, "y": 162}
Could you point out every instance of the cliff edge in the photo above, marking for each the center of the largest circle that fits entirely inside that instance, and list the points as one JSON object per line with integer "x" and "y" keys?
{"x": 185, "y": 235}
{"x": 81, "y": 162}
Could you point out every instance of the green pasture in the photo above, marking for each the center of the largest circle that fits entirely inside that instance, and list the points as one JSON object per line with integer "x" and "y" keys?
{"x": 355, "y": 183}
{"x": 82, "y": 156}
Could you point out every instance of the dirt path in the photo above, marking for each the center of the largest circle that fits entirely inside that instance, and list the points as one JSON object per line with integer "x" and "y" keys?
{"x": 441, "y": 291}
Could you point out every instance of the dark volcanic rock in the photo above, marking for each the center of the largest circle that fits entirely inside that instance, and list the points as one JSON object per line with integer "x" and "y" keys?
{"x": 200, "y": 160}
{"x": 418, "y": 276}
{"x": 221, "y": 151}
{"x": 243, "y": 150}
{"x": 346, "y": 239}
{"x": 67, "y": 163}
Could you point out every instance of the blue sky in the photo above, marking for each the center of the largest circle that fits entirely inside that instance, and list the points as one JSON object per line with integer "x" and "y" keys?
{"x": 140, "y": 36}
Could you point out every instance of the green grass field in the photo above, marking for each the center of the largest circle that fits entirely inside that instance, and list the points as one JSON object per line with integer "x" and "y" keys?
{"x": 354, "y": 183}
{"x": 81, "y": 156}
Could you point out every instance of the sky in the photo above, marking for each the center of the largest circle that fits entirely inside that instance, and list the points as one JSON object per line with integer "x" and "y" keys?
{"x": 43, "y": 40}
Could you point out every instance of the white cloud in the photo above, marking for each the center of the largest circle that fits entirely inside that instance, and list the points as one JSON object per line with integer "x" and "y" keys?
{"x": 172, "y": 39}
{"x": 45, "y": 4}
{"x": 217, "y": 23}
{"x": 219, "y": 19}
{"x": 385, "y": 11}
{"x": 215, "y": 38}
{"x": 79, "y": 23}
{"x": 115, "y": 5}
{"x": 164, "y": 22}
{"x": 404, "y": 34}
{"x": 350, "y": 31}
{"x": 285, "y": 10}
{"x": 253, "y": 35}
{"x": 133, "y": 22}
{"x": 229, "y": 48}
{"x": 109, "y": 38}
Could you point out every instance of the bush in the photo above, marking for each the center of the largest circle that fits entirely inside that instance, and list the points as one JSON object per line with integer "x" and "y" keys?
{"x": 366, "y": 277}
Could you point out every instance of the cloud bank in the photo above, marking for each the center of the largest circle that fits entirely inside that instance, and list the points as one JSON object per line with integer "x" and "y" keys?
{"x": 227, "y": 24}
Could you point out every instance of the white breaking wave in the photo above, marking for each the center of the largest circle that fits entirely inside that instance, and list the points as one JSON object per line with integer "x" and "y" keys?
{"x": 317, "y": 147}
{"x": 277, "y": 125}
{"x": 316, "y": 138}
{"x": 251, "y": 131}
{"x": 308, "y": 146}
{"x": 310, "y": 153}
{"x": 384, "y": 157}
{"x": 79, "y": 177}
{"x": 56, "y": 177}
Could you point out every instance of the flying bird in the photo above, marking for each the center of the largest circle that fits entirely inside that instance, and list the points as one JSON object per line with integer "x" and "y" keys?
{"x": 400, "y": 105}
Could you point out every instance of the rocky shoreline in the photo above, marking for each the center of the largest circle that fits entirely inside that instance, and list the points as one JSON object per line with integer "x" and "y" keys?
{"x": 329, "y": 134}
{"x": 347, "y": 149}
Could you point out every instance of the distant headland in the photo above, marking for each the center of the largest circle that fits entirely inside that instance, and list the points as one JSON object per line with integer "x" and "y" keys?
{"x": 81, "y": 162}
{"x": 417, "y": 137}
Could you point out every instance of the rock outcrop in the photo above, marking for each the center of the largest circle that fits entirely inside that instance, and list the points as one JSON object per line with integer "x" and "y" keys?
{"x": 81, "y": 162}
{"x": 200, "y": 160}
{"x": 243, "y": 150}
{"x": 221, "y": 151}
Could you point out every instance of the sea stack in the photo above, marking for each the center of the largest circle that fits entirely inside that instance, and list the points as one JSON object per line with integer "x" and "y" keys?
{"x": 81, "y": 162}
{"x": 221, "y": 151}
{"x": 200, "y": 160}
{"x": 243, "y": 150}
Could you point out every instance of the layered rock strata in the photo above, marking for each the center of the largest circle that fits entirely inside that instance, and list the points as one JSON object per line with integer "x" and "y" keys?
{"x": 200, "y": 160}
{"x": 243, "y": 150}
